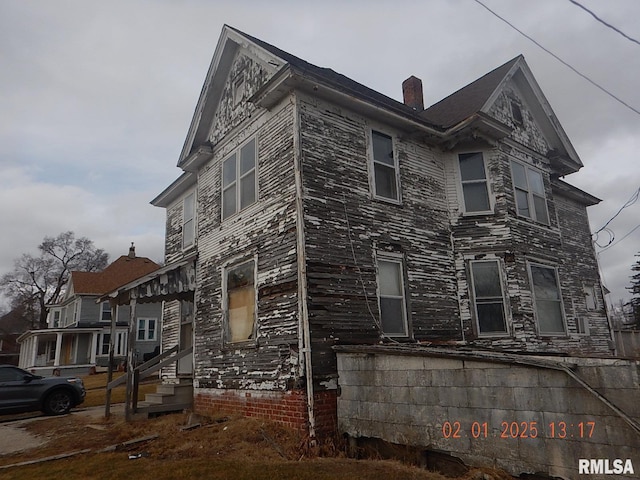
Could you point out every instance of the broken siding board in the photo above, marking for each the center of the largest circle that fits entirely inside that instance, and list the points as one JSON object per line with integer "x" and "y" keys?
{"x": 342, "y": 221}
{"x": 266, "y": 229}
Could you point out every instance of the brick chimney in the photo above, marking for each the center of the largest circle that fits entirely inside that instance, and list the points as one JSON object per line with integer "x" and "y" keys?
{"x": 412, "y": 93}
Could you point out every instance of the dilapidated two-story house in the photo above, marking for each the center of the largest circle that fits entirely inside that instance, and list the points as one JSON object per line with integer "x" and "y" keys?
{"x": 313, "y": 211}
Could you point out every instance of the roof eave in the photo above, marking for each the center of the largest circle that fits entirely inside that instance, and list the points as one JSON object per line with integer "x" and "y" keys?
{"x": 175, "y": 190}
{"x": 290, "y": 78}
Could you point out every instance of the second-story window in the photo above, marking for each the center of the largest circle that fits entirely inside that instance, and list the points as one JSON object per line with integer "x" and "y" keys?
{"x": 473, "y": 175}
{"x": 105, "y": 313}
{"x": 188, "y": 220}
{"x": 529, "y": 191}
{"x": 239, "y": 179}
{"x": 385, "y": 167}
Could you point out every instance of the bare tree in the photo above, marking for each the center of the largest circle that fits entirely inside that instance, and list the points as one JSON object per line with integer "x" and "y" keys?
{"x": 37, "y": 281}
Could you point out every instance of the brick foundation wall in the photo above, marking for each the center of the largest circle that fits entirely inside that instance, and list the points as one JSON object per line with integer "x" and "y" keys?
{"x": 287, "y": 408}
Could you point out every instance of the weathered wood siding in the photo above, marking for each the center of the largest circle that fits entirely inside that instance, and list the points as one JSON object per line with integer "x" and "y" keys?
{"x": 564, "y": 244}
{"x": 266, "y": 230}
{"x": 343, "y": 221}
{"x": 173, "y": 238}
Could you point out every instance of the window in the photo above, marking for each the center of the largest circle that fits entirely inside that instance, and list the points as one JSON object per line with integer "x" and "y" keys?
{"x": 393, "y": 313}
{"x": 105, "y": 312}
{"x": 238, "y": 88}
{"x": 590, "y": 297}
{"x": 56, "y": 318}
{"x": 188, "y": 220}
{"x": 239, "y": 180}
{"x": 473, "y": 175}
{"x": 385, "y": 167}
{"x": 516, "y": 113}
{"x": 146, "y": 329}
{"x": 529, "y": 192}
{"x": 582, "y": 326}
{"x": 548, "y": 302}
{"x": 488, "y": 297}
{"x": 102, "y": 345}
{"x": 240, "y": 301}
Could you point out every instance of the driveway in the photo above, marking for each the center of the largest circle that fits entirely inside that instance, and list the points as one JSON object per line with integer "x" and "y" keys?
{"x": 15, "y": 438}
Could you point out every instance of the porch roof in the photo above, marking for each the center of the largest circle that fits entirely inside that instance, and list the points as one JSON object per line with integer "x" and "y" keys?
{"x": 54, "y": 331}
{"x": 175, "y": 281}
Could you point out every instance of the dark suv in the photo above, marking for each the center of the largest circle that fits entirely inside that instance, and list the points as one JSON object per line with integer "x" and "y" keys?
{"x": 21, "y": 391}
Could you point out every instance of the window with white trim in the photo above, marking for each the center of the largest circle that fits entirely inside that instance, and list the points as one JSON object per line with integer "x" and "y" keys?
{"x": 385, "y": 167}
{"x": 119, "y": 347}
{"x": 105, "y": 312}
{"x": 473, "y": 176}
{"x": 488, "y": 297}
{"x": 391, "y": 296}
{"x": 239, "y": 179}
{"x": 240, "y": 301}
{"x": 146, "y": 329}
{"x": 528, "y": 185}
{"x": 547, "y": 299}
{"x": 188, "y": 220}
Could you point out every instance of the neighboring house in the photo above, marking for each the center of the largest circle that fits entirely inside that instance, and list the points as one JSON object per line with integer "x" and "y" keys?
{"x": 12, "y": 325}
{"x": 78, "y": 333}
{"x": 315, "y": 212}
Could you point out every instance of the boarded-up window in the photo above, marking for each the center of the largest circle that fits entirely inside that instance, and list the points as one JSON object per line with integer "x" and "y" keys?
{"x": 548, "y": 301}
{"x": 241, "y": 302}
{"x": 473, "y": 176}
{"x": 590, "y": 297}
{"x": 393, "y": 314}
{"x": 488, "y": 297}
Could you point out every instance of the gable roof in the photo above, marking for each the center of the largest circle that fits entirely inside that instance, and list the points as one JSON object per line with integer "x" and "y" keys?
{"x": 465, "y": 110}
{"x": 122, "y": 271}
{"x": 469, "y": 99}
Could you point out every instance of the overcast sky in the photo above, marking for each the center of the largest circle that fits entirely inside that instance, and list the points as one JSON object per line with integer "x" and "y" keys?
{"x": 96, "y": 97}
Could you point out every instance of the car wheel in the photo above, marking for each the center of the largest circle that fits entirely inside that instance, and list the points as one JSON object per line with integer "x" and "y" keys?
{"x": 57, "y": 402}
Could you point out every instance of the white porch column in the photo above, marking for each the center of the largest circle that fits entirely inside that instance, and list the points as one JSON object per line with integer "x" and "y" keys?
{"x": 56, "y": 360}
{"x": 34, "y": 351}
{"x": 94, "y": 346}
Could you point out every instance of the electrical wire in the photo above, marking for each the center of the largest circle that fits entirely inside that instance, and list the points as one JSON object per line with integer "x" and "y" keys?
{"x": 605, "y": 23}
{"x": 633, "y": 199}
{"x": 614, "y": 244}
{"x": 560, "y": 60}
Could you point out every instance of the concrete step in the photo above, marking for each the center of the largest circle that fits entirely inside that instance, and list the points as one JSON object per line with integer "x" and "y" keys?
{"x": 150, "y": 409}
{"x": 182, "y": 391}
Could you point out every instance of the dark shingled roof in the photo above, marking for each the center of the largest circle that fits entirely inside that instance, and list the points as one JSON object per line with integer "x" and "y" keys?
{"x": 468, "y": 100}
{"x": 337, "y": 80}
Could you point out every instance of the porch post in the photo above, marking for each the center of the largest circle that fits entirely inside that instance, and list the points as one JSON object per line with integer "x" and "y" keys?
{"x": 112, "y": 334}
{"x": 34, "y": 351}
{"x": 94, "y": 346}
{"x": 131, "y": 340}
{"x": 56, "y": 360}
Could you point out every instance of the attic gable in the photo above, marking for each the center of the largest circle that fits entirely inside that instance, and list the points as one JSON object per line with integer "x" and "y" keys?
{"x": 481, "y": 96}
{"x": 234, "y": 52}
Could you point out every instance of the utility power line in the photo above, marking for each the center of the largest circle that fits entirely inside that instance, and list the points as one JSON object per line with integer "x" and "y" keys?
{"x": 605, "y": 23}
{"x": 600, "y": 87}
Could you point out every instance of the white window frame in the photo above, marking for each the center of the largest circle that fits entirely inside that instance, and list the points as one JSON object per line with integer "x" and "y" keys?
{"x": 119, "y": 346}
{"x": 372, "y": 166}
{"x": 238, "y": 86}
{"x": 225, "y": 300}
{"x": 462, "y": 183}
{"x": 143, "y": 327}
{"x": 531, "y": 195}
{"x": 484, "y": 300}
{"x": 237, "y": 182}
{"x": 563, "y": 333}
{"x": 582, "y": 326}
{"x": 103, "y": 311}
{"x": 189, "y": 223}
{"x": 397, "y": 259}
